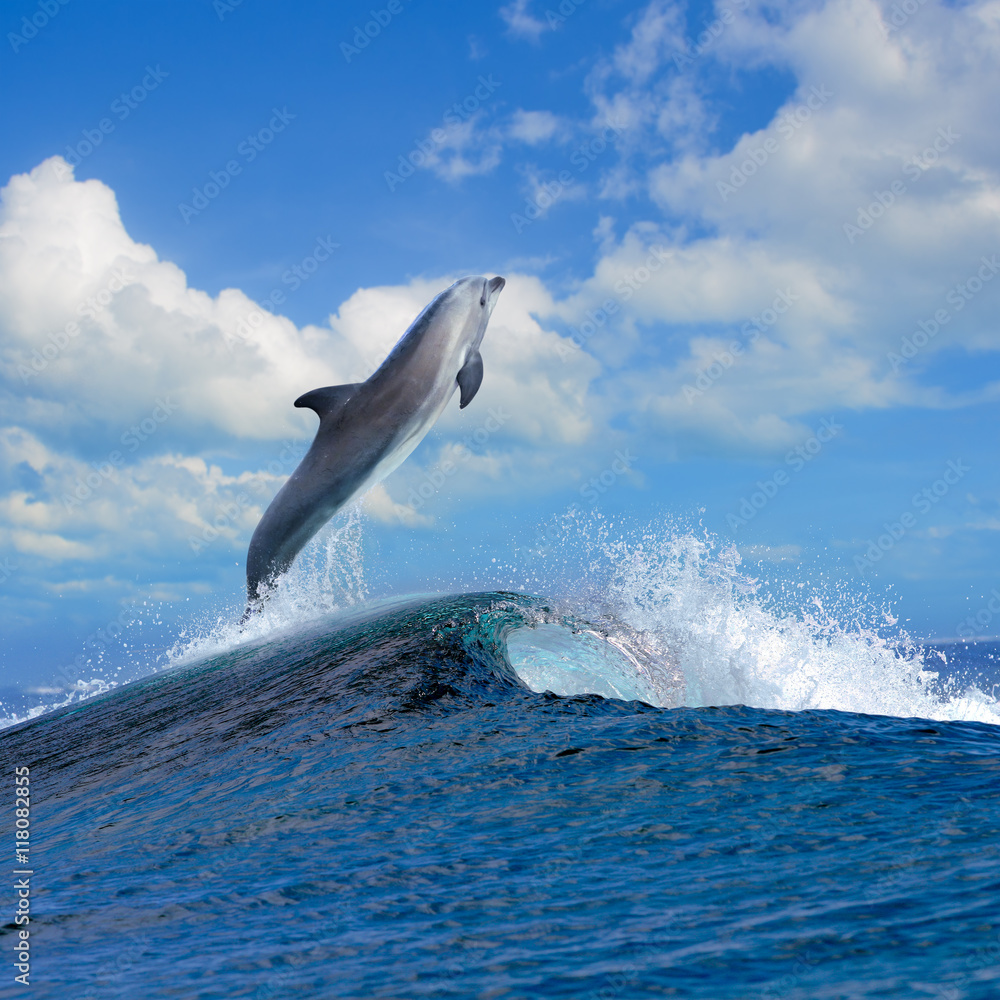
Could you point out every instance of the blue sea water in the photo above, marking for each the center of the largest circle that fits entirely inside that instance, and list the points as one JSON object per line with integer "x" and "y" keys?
{"x": 418, "y": 797}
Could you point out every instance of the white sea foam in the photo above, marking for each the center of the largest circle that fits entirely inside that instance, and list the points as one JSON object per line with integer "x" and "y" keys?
{"x": 791, "y": 645}
{"x": 328, "y": 576}
{"x": 679, "y": 622}
{"x": 78, "y": 691}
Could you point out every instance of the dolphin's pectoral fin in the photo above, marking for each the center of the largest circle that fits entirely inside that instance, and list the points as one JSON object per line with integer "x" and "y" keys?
{"x": 470, "y": 378}
{"x": 328, "y": 400}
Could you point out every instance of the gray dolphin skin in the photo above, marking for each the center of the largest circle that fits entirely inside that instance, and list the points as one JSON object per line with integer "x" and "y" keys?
{"x": 367, "y": 429}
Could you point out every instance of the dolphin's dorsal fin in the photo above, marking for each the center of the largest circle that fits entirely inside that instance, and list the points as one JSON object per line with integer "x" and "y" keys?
{"x": 470, "y": 378}
{"x": 329, "y": 400}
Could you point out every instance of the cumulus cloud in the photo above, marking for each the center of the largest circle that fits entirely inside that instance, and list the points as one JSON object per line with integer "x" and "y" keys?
{"x": 523, "y": 360}
{"x": 819, "y": 262}
{"x": 378, "y": 504}
{"x": 95, "y": 326}
{"x": 113, "y": 365}
{"x": 870, "y": 199}
{"x": 100, "y": 510}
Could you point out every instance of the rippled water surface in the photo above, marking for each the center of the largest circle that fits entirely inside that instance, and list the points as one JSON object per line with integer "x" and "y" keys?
{"x": 379, "y": 805}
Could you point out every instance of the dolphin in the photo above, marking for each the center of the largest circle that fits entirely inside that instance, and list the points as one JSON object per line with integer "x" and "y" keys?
{"x": 367, "y": 429}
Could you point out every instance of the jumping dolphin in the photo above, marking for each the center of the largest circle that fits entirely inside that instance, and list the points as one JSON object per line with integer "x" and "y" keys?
{"x": 367, "y": 429}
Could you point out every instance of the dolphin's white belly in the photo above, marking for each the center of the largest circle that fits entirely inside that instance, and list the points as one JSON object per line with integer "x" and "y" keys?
{"x": 413, "y": 432}
{"x": 368, "y": 430}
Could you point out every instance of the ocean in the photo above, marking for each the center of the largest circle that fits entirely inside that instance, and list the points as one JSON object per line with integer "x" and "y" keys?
{"x": 650, "y": 776}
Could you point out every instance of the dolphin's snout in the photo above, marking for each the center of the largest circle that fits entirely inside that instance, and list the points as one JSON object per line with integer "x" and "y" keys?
{"x": 491, "y": 289}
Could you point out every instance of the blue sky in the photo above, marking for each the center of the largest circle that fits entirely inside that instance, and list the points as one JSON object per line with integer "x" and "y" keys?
{"x": 750, "y": 249}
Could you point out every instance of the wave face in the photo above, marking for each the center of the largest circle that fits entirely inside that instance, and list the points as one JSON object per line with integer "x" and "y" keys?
{"x": 690, "y": 625}
{"x": 376, "y": 803}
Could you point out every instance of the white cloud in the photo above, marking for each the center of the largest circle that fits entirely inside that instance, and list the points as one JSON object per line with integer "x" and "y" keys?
{"x": 477, "y": 50}
{"x": 61, "y": 245}
{"x": 378, "y": 504}
{"x": 474, "y": 148}
{"x": 770, "y": 214}
{"x": 466, "y": 149}
{"x": 87, "y": 511}
{"x": 54, "y": 548}
{"x": 657, "y": 34}
{"x": 521, "y": 22}
{"x": 534, "y": 127}
{"x": 151, "y": 364}
{"x": 631, "y": 88}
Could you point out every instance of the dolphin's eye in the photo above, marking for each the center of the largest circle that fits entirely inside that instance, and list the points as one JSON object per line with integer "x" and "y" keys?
{"x": 482, "y": 300}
